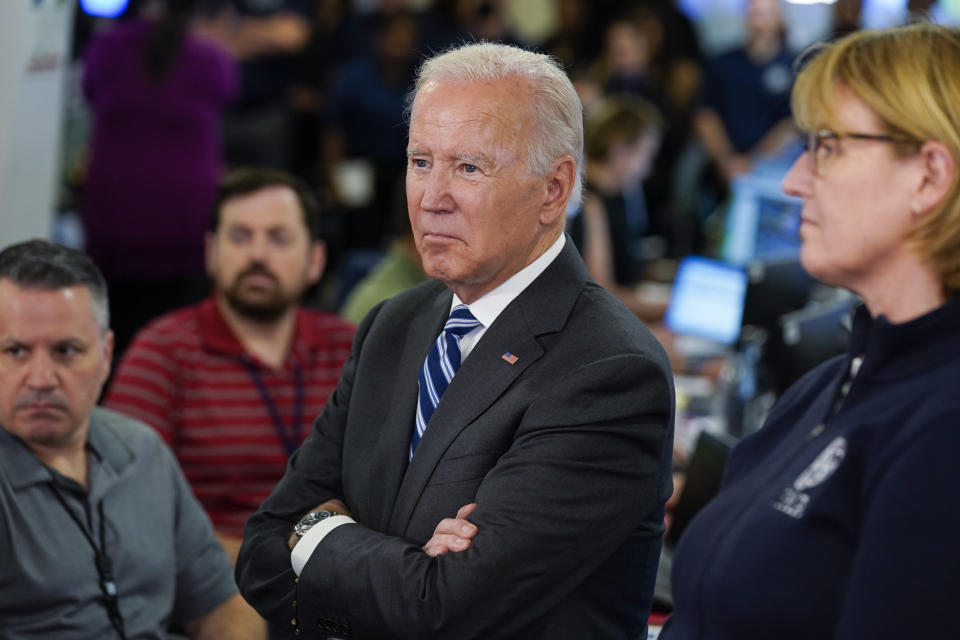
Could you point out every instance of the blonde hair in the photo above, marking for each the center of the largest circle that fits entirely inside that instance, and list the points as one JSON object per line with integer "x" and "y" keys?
{"x": 910, "y": 77}
{"x": 557, "y": 114}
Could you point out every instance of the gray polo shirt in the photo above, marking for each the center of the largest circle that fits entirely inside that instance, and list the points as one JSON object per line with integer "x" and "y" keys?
{"x": 168, "y": 566}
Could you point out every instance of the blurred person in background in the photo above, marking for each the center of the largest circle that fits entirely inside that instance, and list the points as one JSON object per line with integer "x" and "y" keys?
{"x": 265, "y": 36}
{"x": 651, "y": 53}
{"x": 624, "y": 63}
{"x": 333, "y": 37}
{"x": 571, "y": 42}
{"x": 365, "y": 128}
{"x": 838, "y": 519}
{"x": 397, "y": 271}
{"x": 745, "y": 111}
{"x": 847, "y": 17}
{"x": 613, "y": 227}
{"x": 451, "y": 23}
{"x": 156, "y": 93}
{"x": 232, "y": 383}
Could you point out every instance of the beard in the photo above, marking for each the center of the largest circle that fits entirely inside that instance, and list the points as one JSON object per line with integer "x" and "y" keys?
{"x": 260, "y": 304}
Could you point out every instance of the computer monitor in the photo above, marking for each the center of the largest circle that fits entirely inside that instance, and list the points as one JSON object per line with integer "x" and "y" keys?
{"x": 762, "y": 221}
{"x": 702, "y": 480}
{"x": 706, "y": 300}
{"x": 775, "y": 287}
{"x": 808, "y": 337}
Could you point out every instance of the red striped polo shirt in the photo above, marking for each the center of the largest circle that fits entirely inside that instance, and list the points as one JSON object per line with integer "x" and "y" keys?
{"x": 188, "y": 376}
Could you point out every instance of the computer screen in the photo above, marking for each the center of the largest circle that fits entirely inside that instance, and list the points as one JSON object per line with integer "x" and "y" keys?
{"x": 703, "y": 478}
{"x": 808, "y": 337}
{"x": 762, "y": 221}
{"x": 775, "y": 287}
{"x": 707, "y": 300}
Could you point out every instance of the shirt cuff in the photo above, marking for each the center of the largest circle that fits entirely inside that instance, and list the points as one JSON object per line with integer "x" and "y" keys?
{"x": 304, "y": 549}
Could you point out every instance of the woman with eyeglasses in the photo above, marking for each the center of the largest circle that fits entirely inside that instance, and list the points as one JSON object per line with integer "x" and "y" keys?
{"x": 840, "y": 518}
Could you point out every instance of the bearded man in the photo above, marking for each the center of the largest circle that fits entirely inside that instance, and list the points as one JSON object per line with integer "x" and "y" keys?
{"x": 232, "y": 383}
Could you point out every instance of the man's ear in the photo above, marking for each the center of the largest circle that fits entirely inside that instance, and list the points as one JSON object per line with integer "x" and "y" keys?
{"x": 939, "y": 173}
{"x": 317, "y": 260}
{"x": 560, "y": 181}
{"x": 210, "y": 252}
{"x": 108, "y": 344}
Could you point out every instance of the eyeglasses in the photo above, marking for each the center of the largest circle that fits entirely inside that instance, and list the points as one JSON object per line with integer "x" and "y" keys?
{"x": 823, "y": 145}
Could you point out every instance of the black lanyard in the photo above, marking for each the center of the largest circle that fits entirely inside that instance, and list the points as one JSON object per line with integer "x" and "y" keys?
{"x": 289, "y": 438}
{"x": 108, "y": 585}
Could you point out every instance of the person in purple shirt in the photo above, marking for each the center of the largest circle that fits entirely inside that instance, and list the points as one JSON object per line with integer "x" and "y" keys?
{"x": 156, "y": 93}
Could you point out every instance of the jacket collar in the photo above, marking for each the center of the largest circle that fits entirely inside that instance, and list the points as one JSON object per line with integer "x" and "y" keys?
{"x": 543, "y": 307}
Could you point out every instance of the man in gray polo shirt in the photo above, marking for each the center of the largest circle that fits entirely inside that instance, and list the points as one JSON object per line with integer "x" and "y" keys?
{"x": 100, "y": 536}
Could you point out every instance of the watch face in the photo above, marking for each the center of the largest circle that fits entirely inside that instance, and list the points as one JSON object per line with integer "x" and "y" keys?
{"x": 312, "y": 518}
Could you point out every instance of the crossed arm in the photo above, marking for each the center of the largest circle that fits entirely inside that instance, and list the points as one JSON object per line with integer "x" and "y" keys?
{"x": 451, "y": 534}
{"x": 583, "y": 474}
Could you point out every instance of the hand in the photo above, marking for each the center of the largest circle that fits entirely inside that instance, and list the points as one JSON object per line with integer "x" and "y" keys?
{"x": 678, "y": 480}
{"x": 734, "y": 165}
{"x": 334, "y": 505}
{"x": 452, "y": 534}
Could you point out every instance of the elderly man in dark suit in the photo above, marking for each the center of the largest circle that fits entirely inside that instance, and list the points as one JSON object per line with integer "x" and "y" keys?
{"x": 495, "y": 460}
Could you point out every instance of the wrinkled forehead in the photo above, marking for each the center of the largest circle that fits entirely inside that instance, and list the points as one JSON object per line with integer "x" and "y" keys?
{"x": 502, "y": 106}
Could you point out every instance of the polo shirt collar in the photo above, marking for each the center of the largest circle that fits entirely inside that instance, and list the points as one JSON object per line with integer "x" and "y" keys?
{"x": 109, "y": 446}
{"x": 219, "y": 337}
{"x": 109, "y": 456}
{"x": 21, "y": 466}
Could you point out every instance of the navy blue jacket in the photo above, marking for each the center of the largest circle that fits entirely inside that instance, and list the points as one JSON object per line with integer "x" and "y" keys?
{"x": 842, "y": 525}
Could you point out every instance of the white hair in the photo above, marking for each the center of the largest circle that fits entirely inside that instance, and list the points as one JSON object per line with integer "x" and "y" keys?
{"x": 557, "y": 114}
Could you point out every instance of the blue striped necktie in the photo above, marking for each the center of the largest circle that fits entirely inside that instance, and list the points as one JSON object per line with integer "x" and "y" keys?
{"x": 438, "y": 369}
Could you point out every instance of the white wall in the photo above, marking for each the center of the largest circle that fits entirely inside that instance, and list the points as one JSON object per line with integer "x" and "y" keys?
{"x": 34, "y": 57}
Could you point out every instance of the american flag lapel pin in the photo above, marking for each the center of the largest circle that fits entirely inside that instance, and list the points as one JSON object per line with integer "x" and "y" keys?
{"x": 510, "y": 358}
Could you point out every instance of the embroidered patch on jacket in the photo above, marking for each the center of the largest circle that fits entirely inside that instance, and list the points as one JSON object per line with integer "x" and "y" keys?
{"x": 793, "y": 500}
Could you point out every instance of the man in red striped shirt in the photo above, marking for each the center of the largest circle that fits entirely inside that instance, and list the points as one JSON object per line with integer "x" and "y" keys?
{"x": 232, "y": 383}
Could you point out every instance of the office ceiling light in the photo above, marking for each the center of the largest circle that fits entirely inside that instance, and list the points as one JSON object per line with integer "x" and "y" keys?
{"x": 104, "y": 8}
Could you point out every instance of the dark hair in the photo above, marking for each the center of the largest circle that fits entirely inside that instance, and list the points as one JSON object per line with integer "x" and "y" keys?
{"x": 166, "y": 38}
{"x": 619, "y": 119}
{"x": 245, "y": 181}
{"x": 48, "y": 266}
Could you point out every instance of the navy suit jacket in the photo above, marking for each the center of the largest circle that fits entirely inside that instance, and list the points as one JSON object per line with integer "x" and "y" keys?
{"x": 566, "y": 452}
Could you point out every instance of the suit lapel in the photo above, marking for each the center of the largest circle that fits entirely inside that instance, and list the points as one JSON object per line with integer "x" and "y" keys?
{"x": 542, "y": 308}
{"x": 393, "y": 443}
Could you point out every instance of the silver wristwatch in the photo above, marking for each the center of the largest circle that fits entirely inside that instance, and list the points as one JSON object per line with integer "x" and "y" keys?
{"x": 312, "y": 518}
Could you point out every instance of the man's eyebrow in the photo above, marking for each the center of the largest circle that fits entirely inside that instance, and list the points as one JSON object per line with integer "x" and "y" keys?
{"x": 412, "y": 151}
{"x": 477, "y": 159}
